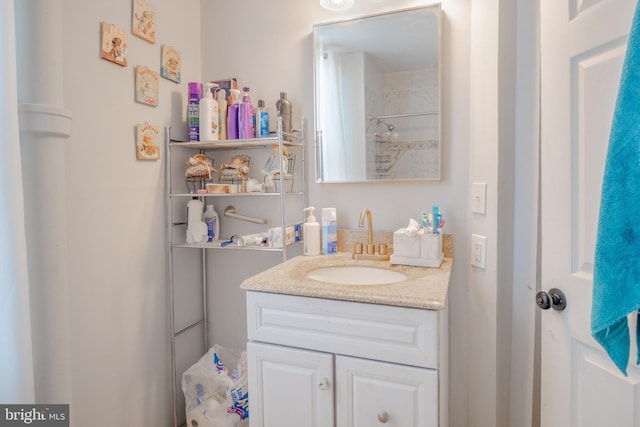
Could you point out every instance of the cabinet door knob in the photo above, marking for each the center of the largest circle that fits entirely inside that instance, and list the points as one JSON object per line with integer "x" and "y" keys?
{"x": 324, "y": 384}
{"x": 383, "y": 417}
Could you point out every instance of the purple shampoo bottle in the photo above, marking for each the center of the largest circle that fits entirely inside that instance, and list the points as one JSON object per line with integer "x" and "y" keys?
{"x": 245, "y": 117}
{"x": 232, "y": 115}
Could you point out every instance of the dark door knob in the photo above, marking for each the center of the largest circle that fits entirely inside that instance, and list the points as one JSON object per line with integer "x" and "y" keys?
{"x": 553, "y": 299}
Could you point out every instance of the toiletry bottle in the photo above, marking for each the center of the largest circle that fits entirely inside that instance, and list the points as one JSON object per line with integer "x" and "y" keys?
{"x": 261, "y": 120}
{"x": 210, "y": 217}
{"x": 193, "y": 110}
{"x": 283, "y": 106}
{"x": 222, "y": 114}
{"x": 196, "y": 228}
{"x": 311, "y": 234}
{"x": 209, "y": 115}
{"x": 329, "y": 231}
{"x": 245, "y": 117}
{"x": 232, "y": 115}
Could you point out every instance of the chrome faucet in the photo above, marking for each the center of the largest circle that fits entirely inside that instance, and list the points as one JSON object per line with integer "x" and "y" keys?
{"x": 371, "y": 252}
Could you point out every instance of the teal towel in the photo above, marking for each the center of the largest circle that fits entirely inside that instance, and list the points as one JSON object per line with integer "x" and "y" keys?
{"x": 616, "y": 277}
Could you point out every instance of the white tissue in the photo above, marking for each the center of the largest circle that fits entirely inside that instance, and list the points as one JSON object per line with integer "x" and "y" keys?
{"x": 413, "y": 228}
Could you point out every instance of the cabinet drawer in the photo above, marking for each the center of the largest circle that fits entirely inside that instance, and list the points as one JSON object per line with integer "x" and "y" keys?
{"x": 393, "y": 334}
{"x": 373, "y": 393}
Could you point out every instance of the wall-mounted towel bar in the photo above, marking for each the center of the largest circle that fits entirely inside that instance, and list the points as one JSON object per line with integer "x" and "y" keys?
{"x": 395, "y": 116}
{"x": 230, "y": 212}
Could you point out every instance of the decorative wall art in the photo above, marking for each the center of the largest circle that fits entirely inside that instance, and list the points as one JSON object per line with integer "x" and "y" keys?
{"x": 147, "y": 142}
{"x": 171, "y": 63}
{"x": 147, "y": 85}
{"x": 144, "y": 20}
{"x": 113, "y": 44}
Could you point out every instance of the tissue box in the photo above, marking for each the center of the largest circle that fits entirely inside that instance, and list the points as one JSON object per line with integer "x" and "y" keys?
{"x": 422, "y": 249}
{"x": 292, "y": 235}
{"x": 406, "y": 246}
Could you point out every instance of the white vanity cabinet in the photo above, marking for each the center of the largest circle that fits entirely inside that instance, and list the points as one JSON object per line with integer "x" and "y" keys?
{"x": 324, "y": 363}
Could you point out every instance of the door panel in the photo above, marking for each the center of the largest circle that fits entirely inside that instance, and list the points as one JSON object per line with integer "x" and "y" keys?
{"x": 602, "y": 397}
{"x": 289, "y": 387}
{"x": 582, "y": 51}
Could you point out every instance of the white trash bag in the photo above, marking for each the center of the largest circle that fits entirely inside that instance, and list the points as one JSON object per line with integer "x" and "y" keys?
{"x": 215, "y": 389}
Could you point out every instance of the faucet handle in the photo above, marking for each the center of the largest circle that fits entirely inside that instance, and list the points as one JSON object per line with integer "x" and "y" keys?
{"x": 357, "y": 248}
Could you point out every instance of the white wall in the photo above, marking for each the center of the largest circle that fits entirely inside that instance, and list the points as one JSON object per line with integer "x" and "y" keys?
{"x": 117, "y": 272}
{"x": 278, "y": 56}
{"x": 116, "y": 205}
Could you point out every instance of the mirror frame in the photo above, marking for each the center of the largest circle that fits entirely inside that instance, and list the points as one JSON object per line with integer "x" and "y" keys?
{"x": 319, "y": 178}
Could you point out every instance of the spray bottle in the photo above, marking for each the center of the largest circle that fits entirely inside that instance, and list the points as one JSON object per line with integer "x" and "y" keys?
{"x": 193, "y": 110}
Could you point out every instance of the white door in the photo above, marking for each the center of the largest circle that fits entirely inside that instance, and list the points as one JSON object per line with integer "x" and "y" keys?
{"x": 289, "y": 387}
{"x": 583, "y": 43}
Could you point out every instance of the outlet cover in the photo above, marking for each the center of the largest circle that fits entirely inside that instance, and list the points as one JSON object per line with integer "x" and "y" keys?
{"x": 479, "y": 198}
{"x": 479, "y": 251}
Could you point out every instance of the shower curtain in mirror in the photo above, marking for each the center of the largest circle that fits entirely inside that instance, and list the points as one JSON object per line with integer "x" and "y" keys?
{"x": 16, "y": 360}
{"x": 330, "y": 114}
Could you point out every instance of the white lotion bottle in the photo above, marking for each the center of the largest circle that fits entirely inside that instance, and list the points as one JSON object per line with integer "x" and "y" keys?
{"x": 196, "y": 227}
{"x": 209, "y": 115}
{"x": 210, "y": 217}
{"x": 311, "y": 234}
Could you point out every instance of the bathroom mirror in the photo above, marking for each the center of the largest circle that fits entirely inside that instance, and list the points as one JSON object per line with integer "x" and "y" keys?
{"x": 378, "y": 97}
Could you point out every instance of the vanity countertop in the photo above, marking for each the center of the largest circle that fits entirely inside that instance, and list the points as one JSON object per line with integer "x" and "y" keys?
{"x": 424, "y": 288}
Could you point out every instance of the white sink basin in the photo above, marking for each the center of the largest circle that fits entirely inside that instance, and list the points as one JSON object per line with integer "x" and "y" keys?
{"x": 354, "y": 275}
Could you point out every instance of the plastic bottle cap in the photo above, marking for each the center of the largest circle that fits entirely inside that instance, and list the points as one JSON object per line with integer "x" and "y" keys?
{"x": 209, "y": 92}
{"x": 310, "y": 216}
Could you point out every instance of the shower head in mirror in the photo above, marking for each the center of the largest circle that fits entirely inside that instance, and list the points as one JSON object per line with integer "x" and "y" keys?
{"x": 389, "y": 126}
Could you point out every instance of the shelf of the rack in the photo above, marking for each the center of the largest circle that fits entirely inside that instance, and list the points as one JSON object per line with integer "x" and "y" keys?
{"x": 256, "y": 194}
{"x": 230, "y": 247}
{"x": 231, "y": 144}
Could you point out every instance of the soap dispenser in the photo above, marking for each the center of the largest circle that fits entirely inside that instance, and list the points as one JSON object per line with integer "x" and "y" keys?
{"x": 311, "y": 233}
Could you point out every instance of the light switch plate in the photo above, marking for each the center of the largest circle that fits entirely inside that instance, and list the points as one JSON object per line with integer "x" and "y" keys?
{"x": 479, "y": 198}
{"x": 479, "y": 251}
